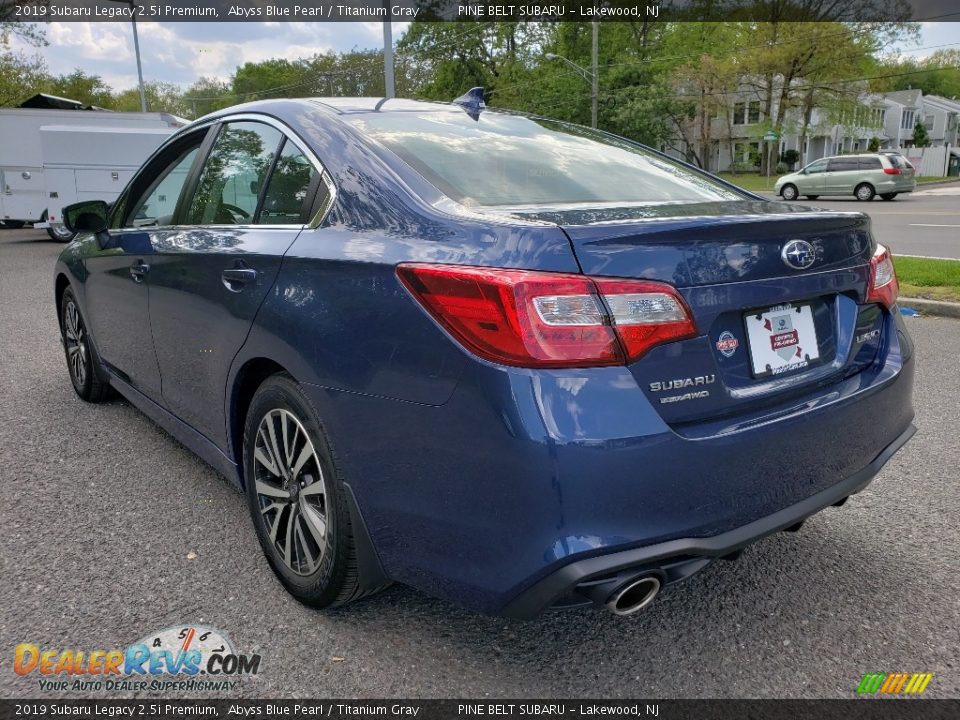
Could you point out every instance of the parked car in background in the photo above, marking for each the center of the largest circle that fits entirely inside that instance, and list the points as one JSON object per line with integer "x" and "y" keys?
{"x": 515, "y": 363}
{"x": 862, "y": 176}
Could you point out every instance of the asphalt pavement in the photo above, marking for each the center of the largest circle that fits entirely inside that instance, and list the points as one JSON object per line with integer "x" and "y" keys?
{"x": 113, "y": 530}
{"x": 924, "y": 223}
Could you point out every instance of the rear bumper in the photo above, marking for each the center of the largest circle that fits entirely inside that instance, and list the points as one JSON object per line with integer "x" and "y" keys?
{"x": 679, "y": 559}
{"x": 526, "y": 482}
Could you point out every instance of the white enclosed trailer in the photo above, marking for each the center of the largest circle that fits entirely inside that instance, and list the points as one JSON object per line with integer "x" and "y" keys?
{"x": 91, "y": 163}
{"x": 23, "y": 193}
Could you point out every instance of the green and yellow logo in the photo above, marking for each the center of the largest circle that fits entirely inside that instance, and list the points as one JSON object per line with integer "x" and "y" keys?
{"x": 894, "y": 683}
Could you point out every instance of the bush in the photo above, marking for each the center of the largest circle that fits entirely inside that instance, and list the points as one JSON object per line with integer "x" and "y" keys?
{"x": 755, "y": 158}
{"x": 874, "y": 145}
{"x": 790, "y": 157}
{"x": 781, "y": 168}
{"x": 739, "y": 168}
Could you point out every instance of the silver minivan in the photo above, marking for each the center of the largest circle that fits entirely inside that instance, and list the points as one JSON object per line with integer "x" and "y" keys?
{"x": 862, "y": 176}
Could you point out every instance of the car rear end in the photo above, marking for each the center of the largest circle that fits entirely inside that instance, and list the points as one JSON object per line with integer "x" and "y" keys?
{"x": 899, "y": 175}
{"x": 721, "y": 368}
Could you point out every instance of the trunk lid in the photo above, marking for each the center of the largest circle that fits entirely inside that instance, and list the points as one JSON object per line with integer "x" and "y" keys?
{"x": 728, "y": 261}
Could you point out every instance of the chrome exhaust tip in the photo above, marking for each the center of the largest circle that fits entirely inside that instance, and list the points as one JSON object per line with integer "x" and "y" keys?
{"x": 634, "y": 596}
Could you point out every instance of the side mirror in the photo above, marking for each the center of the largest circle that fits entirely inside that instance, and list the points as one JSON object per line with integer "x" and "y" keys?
{"x": 89, "y": 216}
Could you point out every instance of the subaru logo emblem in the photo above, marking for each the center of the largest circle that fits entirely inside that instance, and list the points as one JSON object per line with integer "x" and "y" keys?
{"x": 798, "y": 254}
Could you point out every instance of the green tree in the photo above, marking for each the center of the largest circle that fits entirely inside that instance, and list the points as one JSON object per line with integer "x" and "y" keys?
{"x": 274, "y": 78}
{"x": 78, "y": 85}
{"x": 161, "y": 97}
{"x": 207, "y": 95}
{"x": 20, "y": 75}
{"x": 921, "y": 138}
{"x": 874, "y": 145}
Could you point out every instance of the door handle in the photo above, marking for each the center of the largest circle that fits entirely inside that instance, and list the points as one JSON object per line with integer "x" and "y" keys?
{"x": 138, "y": 270}
{"x": 234, "y": 279}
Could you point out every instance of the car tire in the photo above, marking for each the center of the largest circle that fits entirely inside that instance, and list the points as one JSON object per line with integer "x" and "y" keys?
{"x": 888, "y": 196}
{"x": 82, "y": 362}
{"x": 811, "y": 197}
{"x": 789, "y": 192}
{"x": 864, "y": 192}
{"x": 298, "y": 501}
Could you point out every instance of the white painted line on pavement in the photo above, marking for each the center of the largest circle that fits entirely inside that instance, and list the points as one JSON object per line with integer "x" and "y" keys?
{"x": 924, "y": 257}
{"x": 931, "y": 225}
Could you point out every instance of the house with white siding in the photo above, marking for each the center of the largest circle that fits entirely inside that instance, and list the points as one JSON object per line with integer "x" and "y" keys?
{"x": 736, "y": 131}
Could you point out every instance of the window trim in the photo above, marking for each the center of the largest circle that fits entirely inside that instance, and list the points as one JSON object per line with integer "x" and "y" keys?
{"x": 212, "y": 127}
{"x": 124, "y": 222}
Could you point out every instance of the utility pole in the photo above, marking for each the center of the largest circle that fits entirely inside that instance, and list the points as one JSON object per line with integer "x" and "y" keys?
{"x": 594, "y": 80}
{"x": 388, "y": 59}
{"x": 136, "y": 49}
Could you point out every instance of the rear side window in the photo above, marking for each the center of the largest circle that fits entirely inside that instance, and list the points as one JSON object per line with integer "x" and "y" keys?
{"x": 290, "y": 184}
{"x": 508, "y": 160}
{"x": 870, "y": 163}
{"x": 233, "y": 176}
{"x": 843, "y": 164}
{"x": 895, "y": 161}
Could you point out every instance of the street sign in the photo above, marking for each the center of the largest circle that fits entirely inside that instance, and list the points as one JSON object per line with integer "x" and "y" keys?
{"x": 770, "y": 136}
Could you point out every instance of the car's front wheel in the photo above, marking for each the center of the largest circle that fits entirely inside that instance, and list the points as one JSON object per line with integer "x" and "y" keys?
{"x": 84, "y": 371}
{"x": 789, "y": 192}
{"x": 297, "y": 500}
{"x": 864, "y": 192}
{"x": 888, "y": 196}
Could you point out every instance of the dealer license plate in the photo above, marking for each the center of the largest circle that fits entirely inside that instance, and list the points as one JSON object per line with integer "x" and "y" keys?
{"x": 782, "y": 339}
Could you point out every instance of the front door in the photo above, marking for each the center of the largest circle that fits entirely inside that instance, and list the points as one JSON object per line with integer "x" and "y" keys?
{"x": 118, "y": 291}
{"x": 812, "y": 179}
{"x": 247, "y": 205}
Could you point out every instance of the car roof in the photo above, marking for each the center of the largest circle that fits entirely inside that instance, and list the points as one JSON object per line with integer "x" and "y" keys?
{"x": 351, "y": 105}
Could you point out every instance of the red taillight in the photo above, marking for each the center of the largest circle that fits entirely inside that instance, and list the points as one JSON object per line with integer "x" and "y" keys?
{"x": 540, "y": 319}
{"x": 892, "y": 171}
{"x": 884, "y": 287}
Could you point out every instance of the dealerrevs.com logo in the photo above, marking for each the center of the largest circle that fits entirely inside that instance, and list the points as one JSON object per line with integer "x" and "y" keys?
{"x": 177, "y": 658}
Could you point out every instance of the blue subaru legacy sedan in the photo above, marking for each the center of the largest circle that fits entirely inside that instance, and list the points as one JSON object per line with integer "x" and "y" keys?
{"x": 512, "y": 362}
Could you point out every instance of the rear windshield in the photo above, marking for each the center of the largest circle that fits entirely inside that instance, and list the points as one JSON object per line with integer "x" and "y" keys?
{"x": 513, "y": 161}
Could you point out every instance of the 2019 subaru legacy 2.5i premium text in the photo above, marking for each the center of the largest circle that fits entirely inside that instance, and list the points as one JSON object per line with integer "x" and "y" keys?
{"x": 512, "y": 362}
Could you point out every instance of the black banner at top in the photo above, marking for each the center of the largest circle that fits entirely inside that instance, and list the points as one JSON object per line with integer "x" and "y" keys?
{"x": 478, "y": 10}
{"x": 486, "y": 709}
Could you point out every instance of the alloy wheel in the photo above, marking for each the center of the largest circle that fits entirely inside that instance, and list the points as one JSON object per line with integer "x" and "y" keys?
{"x": 291, "y": 491}
{"x": 76, "y": 340}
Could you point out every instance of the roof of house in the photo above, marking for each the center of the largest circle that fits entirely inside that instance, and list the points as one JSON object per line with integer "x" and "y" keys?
{"x": 953, "y": 105}
{"x": 907, "y": 98}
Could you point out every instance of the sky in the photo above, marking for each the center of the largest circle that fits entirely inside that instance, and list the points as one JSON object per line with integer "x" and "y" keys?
{"x": 182, "y": 52}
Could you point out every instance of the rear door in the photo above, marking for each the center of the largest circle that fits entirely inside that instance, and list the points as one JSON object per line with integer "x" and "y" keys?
{"x": 843, "y": 175}
{"x": 245, "y": 207}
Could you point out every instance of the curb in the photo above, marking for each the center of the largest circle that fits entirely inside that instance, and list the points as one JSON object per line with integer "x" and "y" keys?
{"x": 931, "y": 307}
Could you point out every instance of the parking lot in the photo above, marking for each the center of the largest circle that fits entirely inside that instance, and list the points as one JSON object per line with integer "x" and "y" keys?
{"x": 113, "y": 530}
